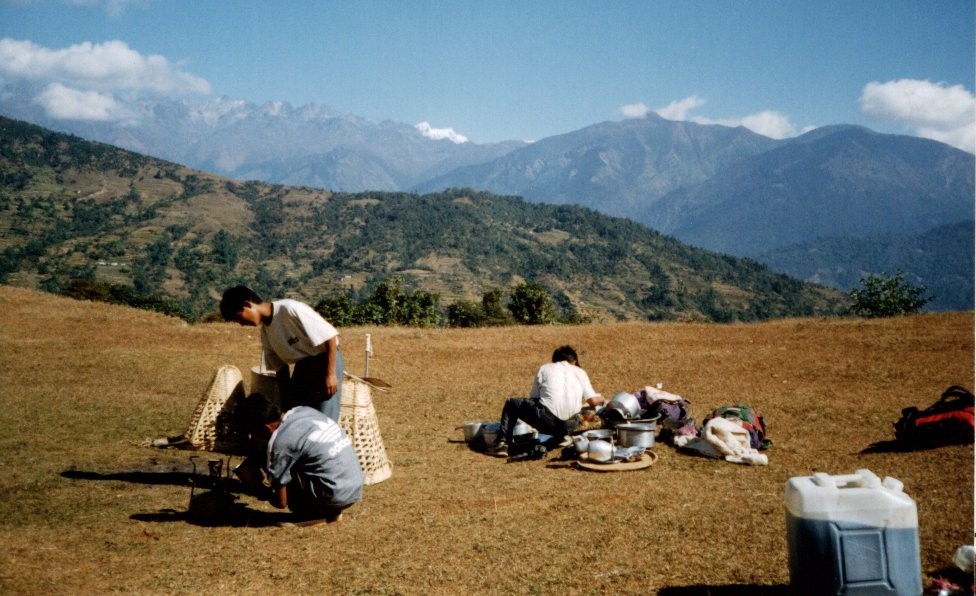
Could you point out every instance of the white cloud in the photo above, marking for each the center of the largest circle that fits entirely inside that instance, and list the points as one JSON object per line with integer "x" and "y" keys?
{"x": 91, "y": 74}
{"x": 768, "y": 123}
{"x": 932, "y": 110}
{"x": 114, "y": 8}
{"x": 635, "y": 110}
{"x": 678, "y": 110}
{"x": 71, "y": 104}
{"x": 439, "y": 134}
{"x": 108, "y": 66}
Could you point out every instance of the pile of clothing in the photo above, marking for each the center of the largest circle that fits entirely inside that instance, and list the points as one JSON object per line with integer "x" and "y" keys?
{"x": 735, "y": 433}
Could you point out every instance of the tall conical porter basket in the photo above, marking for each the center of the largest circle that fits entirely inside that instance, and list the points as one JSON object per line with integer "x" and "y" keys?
{"x": 357, "y": 417}
{"x": 213, "y": 426}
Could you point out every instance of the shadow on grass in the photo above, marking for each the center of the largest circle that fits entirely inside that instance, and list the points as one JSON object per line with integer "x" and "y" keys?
{"x": 237, "y": 516}
{"x": 733, "y": 590}
{"x": 173, "y": 478}
{"x": 894, "y": 446}
{"x": 214, "y": 507}
{"x": 962, "y": 580}
{"x": 885, "y": 447}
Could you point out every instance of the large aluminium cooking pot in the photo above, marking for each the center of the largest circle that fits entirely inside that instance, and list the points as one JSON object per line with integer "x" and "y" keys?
{"x": 471, "y": 430}
{"x": 636, "y": 434}
{"x": 488, "y": 432}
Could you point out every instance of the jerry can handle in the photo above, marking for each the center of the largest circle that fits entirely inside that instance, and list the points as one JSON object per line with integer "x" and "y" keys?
{"x": 861, "y": 479}
{"x": 893, "y": 484}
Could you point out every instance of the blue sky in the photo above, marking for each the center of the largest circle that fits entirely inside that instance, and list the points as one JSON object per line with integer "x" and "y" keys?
{"x": 492, "y": 70}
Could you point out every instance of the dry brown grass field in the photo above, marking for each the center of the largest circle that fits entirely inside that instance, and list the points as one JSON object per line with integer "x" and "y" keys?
{"x": 86, "y": 509}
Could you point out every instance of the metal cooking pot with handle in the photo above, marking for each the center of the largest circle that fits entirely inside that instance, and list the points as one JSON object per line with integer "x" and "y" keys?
{"x": 471, "y": 430}
{"x": 626, "y": 403}
{"x": 637, "y": 434}
{"x": 488, "y": 432}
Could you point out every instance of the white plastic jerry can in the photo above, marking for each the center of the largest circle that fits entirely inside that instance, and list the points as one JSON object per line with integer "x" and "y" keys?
{"x": 852, "y": 534}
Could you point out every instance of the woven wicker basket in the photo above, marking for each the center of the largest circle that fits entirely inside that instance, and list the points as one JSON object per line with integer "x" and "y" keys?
{"x": 357, "y": 417}
{"x": 213, "y": 426}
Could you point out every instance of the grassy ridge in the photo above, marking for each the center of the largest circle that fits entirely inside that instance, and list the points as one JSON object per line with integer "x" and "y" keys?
{"x": 87, "y": 510}
{"x": 72, "y": 209}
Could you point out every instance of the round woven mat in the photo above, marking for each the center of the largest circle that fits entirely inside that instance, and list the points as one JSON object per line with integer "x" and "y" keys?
{"x": 646, "y": 460}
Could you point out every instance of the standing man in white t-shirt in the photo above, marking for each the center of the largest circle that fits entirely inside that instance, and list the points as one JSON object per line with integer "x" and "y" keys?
{"x": 558, "y": 391}
{"x": 292, "y": 333}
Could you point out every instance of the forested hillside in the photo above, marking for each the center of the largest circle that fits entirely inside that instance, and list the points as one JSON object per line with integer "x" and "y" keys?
{"x": 75, "y": 210}
{"x": 940, "y": 259}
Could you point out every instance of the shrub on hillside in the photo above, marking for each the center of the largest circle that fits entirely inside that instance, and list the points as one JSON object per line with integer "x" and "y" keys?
{"x": 888, "y": 296}
{"x": 531, "y": 304}
{"x": 85, "y": 289}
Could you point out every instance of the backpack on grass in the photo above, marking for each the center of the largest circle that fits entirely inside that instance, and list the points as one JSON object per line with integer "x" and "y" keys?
{"x": 948, "y": 421}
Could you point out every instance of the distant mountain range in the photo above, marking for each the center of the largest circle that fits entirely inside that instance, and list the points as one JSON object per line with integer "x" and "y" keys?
{"x": 837, "y": 181}
{"x": 275, "y": 142}
{"x": 620, "y": 168}
{"x": 720, "y": 188}
{"x": 72, "y": 210}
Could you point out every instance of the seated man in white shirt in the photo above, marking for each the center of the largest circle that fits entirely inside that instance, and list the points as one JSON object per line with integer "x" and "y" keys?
{"x": 558, "y": 392}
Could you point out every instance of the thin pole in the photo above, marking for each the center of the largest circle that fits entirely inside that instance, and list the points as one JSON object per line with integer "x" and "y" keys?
{"x": 369, "y": 352}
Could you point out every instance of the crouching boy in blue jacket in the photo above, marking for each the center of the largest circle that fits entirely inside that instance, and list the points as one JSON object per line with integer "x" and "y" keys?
{"x": 313, "y": 469}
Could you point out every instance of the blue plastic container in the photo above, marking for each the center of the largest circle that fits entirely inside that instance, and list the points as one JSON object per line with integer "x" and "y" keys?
{"x": 852, "y": 534}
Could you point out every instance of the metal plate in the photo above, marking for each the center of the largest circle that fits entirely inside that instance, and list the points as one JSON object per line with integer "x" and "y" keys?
{"x": 604, "y": 434}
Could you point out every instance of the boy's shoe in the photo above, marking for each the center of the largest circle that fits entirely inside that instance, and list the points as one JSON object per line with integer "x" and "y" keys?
{"x": 311, "y": 523}
{"x": 531, "y": 454}
{"x": 499, "y": 449}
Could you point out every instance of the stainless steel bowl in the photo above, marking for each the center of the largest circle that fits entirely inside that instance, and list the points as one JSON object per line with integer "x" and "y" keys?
{"x": 599, "y": 434}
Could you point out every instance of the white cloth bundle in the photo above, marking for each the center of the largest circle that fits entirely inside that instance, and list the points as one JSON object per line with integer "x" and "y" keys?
{"x": 655, "y": 393}
{"x": 732, "y": 441}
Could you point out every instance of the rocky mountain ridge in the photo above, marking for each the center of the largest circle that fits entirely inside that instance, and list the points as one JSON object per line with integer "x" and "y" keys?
{"x": 721, "y": 188}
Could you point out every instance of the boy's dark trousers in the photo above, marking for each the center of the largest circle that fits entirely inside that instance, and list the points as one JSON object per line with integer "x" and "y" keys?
{"x": 532, "y": 412}
{"x": 307, "y": 385}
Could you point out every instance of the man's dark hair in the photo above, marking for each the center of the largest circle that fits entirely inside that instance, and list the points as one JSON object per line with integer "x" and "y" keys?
{"x": 232, "y": 302}
{"x": 565, "y": 354}
{"x": 257, "y": 410}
